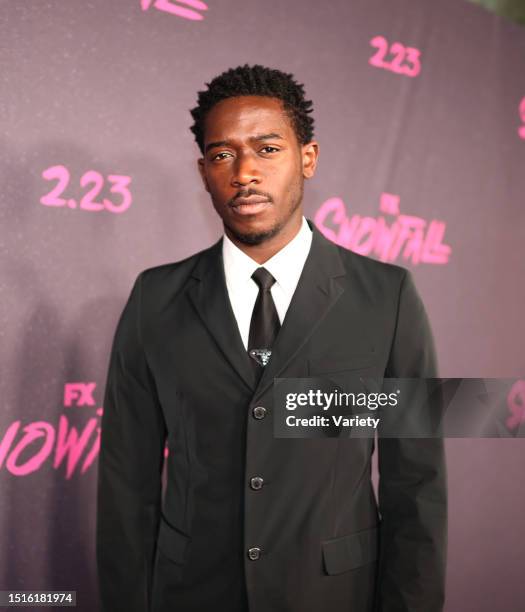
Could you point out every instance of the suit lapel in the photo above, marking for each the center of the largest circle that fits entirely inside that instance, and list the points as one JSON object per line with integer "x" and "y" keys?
{"x": 211, "y": 300}
{"x": 315, "y": 294}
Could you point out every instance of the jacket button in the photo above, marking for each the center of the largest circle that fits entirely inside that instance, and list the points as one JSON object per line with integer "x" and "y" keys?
{"x": 259, "y": 412}
{"x": 256, "y": 483}
{"x": 254, "y": 553}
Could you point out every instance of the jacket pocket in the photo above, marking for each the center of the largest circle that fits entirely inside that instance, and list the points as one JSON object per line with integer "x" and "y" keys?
{"x": 172, "y": 542}
{"x": 350, "y": 551}
{"x": 327, "y": 365}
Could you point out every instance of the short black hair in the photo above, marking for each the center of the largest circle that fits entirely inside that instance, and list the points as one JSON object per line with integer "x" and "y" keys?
{"x": 256, "y": 80}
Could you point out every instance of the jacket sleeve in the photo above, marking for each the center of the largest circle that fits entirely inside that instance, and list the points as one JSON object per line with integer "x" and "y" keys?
{"x": 412, "y": 482}
{"x": 130, "y": 463}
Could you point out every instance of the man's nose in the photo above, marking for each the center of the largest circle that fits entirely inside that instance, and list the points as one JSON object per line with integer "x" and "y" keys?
{"x": 245, "y": 170}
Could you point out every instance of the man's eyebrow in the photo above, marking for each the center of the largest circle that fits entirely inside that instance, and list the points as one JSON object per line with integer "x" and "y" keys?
{"x": 218, "y": 143}
{"x": 258, "y": 138}
{"x": 271, "y": 136}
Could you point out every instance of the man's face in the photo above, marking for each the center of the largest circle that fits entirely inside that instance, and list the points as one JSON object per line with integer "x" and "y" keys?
{"x": 254, "y": 167}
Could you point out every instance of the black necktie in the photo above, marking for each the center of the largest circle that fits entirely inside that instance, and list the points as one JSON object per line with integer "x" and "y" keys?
{"x": 265, "y": 323}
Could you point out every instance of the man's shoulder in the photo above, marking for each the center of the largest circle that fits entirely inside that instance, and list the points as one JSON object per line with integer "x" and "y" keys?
{"x": 372, "y": 269}
{"x": 172, "y": 275}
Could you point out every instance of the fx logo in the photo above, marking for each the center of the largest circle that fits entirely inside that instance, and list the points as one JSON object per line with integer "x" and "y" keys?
{"x": 79, "y": 394}
{"x": 176, "y": 9}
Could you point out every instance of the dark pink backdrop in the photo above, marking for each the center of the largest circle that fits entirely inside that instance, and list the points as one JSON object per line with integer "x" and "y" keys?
{"x": 420, "y": 114}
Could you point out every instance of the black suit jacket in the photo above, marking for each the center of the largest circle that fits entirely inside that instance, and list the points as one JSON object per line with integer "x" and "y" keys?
{"x": 179, "y": 373}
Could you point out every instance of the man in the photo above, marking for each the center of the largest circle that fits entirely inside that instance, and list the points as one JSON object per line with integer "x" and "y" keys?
{"x": 250, "y": 521}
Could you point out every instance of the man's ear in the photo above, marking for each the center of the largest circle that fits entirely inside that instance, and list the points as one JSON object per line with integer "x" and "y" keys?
{"x": 202, "y": 172}
{"x": 310, "y": 154}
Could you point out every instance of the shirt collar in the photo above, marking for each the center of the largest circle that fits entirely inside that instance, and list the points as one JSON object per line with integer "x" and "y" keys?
{"x": 285, "y": 266}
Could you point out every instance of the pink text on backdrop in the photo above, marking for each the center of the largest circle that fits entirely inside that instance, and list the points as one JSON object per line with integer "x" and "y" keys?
{"x": 176, "y": 9}
{"x": 79, "y": 394}
{"x": 26, "y": 449}
{"x": 119, "y": 185}
{"x": 402, "y": 60}
{"x": 521, "y": 129}
{"x": 516, "y": 404}
{"x": 412, "y": 238}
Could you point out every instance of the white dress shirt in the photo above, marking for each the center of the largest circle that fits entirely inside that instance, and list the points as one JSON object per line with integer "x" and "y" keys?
{"x": 285, "y": 266}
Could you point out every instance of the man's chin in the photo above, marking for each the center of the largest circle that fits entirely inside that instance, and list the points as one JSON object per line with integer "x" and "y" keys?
{"x": 254, "y": 237}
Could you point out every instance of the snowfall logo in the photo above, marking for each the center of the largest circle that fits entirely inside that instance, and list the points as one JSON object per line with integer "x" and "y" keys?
{"x": 409, "y": 237}
{"x": 176, "y": 9}
{"x": 516, "y": 405}
{"x": 26, "y": 449}
{"x": 521, "y": 129}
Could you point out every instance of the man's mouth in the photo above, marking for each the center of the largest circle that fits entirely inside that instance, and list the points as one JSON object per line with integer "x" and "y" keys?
{"x": 251, "y": 205}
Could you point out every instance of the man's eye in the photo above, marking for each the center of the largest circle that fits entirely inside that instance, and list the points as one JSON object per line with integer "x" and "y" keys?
{"x": 270, "y": 147}
{"x": 218, "y": 154}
